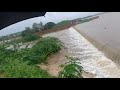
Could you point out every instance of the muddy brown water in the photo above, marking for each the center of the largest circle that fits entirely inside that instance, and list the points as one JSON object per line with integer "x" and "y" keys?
{"x": 94, "y": 62}
{"x": 104, "y": 33}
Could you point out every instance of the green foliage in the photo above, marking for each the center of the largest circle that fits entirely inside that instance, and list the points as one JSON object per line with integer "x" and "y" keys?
{"x": 16, "y": 41}
{"x": 72, "y": 69}
{"x": 42, "y": 49}
{"x": 4, "y": 53}
{"x": 19, "y": 69}
{"x": 22, "y": 63}
{"x": 30, "y": 37}
{"x": 49, "y": 25}
{"x": 35, "y": 27}
{"x": 4, "y": 38}
{"x": 62, "y": 23}
{"x": 26, "y": 31}
{"x": 41, "y": 26}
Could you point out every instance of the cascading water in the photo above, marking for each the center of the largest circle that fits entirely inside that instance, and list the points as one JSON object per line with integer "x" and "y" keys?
{"x": 104, "y": 34}
{"x": 92, "y": 60}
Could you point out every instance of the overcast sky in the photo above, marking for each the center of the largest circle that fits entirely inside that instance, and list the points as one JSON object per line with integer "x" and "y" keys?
{"x": 49, "y": 17}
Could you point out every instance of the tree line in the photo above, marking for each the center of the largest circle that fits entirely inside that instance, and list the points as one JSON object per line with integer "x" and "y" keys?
{"x": 36, "y": 27}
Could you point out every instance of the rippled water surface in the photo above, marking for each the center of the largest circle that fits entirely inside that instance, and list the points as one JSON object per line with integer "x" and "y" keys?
{"x": 104, "y": 33}
{"x": 92, "y": 60}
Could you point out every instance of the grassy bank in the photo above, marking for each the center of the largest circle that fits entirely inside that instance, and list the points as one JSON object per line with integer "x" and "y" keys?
{"x": 23, "y": 63}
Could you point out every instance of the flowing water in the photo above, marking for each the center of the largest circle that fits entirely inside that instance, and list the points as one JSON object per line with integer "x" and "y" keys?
{"x": 104, "y": 33}
{"x": 92, "y": 60}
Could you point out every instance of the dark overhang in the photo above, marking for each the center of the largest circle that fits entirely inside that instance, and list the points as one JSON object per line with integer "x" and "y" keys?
{"x": 9, "y": 18}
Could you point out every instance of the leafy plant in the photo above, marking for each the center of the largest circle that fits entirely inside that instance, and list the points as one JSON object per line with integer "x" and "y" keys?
{"x": 30, "y": 37}
{"x": 49, "y": 25}
{"x": 4, "y": 53}
{"x": 26, "y": 31}
{"x": 42, "y": 49}
{"x": 37, "y": 27}
{"x": 22, "y": 63}
{"x": 71, "y": 69}
{"x": 20, "y": 69}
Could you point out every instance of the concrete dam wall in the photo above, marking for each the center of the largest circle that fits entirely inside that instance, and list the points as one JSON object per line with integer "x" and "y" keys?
{"x": 104, "y": 34}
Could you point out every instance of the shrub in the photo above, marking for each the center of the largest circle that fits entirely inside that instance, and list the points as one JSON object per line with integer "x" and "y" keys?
{"x": 42, "y": 49}
{"x": 30, "y": 37}
{"x": 19, "y": 69}
{"x": 35, "y": 27}
{"x": 71, "y": 69}
{"x": 26, "y": 31}
{"x": 49, "y": 25}
{"x": 21, "y": 63}
{"x": 4, "y": 53}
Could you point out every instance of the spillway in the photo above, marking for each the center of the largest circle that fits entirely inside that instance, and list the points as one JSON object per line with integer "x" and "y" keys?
{"x": 92, "y": 60}
{"x": 104, "y": 34}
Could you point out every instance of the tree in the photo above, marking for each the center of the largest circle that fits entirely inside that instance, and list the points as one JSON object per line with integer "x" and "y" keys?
{"x": 35, "y": 27}
{"x": 49, "y": 25}
{"x": 27, "y": 28}
{"x": 26, "y": 31}
{"x": 41, "y": 26}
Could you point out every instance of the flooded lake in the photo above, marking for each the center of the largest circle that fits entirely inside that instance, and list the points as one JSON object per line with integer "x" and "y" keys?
{"x": 92, "y": 60}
